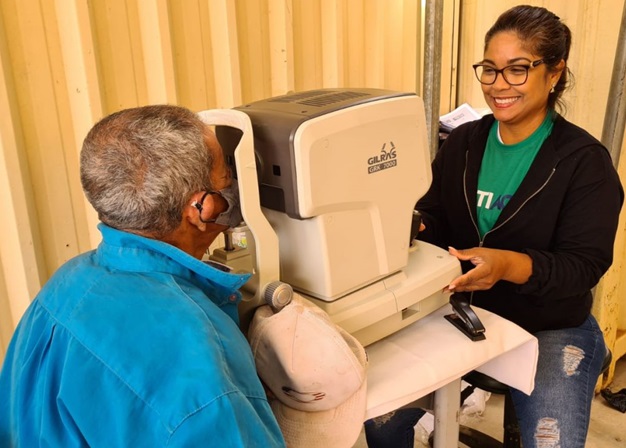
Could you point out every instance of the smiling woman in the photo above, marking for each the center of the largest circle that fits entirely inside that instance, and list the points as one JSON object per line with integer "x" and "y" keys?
{"x": 537, "y": 273}
{"x": 509, "y": 198}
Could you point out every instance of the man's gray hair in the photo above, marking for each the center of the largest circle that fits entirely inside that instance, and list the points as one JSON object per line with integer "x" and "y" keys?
{"x": 139, "y": 167}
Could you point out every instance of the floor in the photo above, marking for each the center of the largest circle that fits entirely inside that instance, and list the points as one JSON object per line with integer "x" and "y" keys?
{"x": 607, "y": 429}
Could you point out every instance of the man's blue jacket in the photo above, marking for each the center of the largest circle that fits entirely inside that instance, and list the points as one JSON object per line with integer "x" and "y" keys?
{"x": 135, "y": 344}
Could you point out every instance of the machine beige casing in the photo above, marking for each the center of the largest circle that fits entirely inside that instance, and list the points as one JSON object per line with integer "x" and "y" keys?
{"x": 340, "y": 172}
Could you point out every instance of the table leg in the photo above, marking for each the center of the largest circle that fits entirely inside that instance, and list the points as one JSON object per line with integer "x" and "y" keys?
{"x": 447, "y": 404}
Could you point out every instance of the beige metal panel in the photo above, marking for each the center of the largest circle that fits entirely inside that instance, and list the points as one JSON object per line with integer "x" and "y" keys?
{"x": 35, "y": 72}
{"x": 356, "y": 43}
{"x": 79, "y": 209}
{"x": 281, "y": 46}
{"x": 20, "y": 271}
{"x": 186, "y": 45}
{"x": 355, "y": 62}
{"x": 392, "y": 41}
{"x": 253, "y": 39}
{"x": 6, "y": 321}
{"x": 156, "y": 46}
{"x": 82, "y": 90}
{"x": 395, "y": 56}
{"x": 192, "y": 53}
{"x": 609, "y": 306}
{"x": 619, "y": 267}
{"x": 224, "y": 43}
{"x": 477, "y": 17}
{"x": 449, "y": 55}
{"x": 410, "y": 54}
{"x": 309, "y": 55}
{"x": 332, "y": 20}
{"x": 613, "y": 303}
{"x": 206, "y": 54}
{"x": 117, "y": 45}
{"x": 374, "y": 37}
{"x": 595, "y": 26}
{"x": 18, "y": 262}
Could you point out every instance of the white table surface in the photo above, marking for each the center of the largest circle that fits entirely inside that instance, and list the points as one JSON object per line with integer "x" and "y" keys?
{"x": 432, "y": 354}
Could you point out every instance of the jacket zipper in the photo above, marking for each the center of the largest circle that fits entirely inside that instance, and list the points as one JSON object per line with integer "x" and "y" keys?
{"x": 469, "y": 209}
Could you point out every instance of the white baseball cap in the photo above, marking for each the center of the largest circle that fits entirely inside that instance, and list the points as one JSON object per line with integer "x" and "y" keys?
{"x": 315, "y": 370}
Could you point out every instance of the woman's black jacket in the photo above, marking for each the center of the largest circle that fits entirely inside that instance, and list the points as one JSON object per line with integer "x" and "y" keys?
{"x": 564, "y": 215}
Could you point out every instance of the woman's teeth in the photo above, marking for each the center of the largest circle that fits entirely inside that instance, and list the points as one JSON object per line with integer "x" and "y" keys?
{"x": 504, "y": 101}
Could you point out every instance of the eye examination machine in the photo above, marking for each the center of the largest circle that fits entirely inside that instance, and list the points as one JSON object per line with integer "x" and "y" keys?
{"x": 328, "y": 182}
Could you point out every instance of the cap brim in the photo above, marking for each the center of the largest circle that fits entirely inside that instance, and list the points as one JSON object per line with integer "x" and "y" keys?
{"x": 338, "y": 428}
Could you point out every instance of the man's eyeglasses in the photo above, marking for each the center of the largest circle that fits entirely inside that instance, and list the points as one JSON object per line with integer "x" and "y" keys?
{"x": 514, "y": 75}
{"x": 198, "y": 205}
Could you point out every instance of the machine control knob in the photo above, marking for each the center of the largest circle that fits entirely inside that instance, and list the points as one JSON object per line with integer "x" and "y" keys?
{"x": 278, "y": 295}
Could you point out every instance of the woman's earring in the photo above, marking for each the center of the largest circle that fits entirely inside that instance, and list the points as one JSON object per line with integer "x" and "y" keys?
{"x": 552, "y": 89}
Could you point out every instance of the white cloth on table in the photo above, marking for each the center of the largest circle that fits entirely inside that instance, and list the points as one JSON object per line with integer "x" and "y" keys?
{"x": 431, "y": 353}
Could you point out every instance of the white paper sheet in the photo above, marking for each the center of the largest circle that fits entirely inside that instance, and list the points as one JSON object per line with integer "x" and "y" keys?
{"x": 462, "y": 114}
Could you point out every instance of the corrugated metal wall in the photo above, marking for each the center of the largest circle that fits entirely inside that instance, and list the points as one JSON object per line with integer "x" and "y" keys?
{"x": 66, "y": 63}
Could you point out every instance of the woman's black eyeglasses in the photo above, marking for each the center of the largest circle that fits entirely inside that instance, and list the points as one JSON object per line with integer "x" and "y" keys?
{"x": 514, "y": 75}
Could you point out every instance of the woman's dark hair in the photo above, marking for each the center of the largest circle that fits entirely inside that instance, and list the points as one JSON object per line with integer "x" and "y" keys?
{"x": 543, "y": 34}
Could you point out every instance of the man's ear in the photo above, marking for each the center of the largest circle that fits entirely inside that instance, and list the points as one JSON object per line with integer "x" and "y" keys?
{"x": 190, "y": 216}
{"x": 193, "y": 215}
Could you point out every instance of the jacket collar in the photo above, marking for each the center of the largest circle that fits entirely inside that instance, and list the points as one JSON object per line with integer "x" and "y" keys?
{"x": 134, "y": 253}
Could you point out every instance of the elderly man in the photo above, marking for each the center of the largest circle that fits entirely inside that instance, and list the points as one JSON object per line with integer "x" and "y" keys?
{"x": 136, "y": 343}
